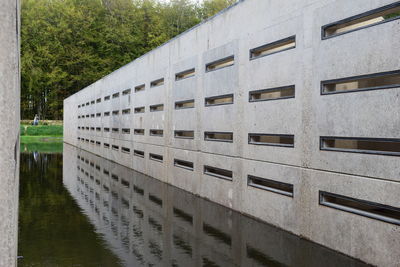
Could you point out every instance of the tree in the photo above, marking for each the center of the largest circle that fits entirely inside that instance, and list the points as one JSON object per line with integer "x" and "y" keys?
{"x": 67, "y": 45}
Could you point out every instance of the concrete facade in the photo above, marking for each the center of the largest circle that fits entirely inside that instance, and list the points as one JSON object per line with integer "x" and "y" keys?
{"x": 287, "y": 139}
{"x": 9, "y": 130}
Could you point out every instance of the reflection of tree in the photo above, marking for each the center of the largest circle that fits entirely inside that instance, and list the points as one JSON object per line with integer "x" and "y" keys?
{"x": 390, "y": 16}
{"x": 51, "y": 227}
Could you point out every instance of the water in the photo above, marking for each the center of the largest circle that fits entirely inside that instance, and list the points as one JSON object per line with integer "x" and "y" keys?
{"x": 77, "y": 209}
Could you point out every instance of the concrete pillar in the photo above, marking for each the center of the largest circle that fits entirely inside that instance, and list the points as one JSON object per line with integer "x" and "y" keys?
{"x": 9, "y": 130}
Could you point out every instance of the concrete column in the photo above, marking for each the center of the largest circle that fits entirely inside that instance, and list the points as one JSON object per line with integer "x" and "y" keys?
{"x": 9, "y": 130}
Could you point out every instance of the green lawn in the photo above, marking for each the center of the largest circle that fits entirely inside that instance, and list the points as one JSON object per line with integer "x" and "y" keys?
{"x": 42, "y": 130}
{"x": 43, "y": 138}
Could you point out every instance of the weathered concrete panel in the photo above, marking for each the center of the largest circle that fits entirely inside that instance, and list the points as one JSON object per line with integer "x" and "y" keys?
{"x": 9, "y": 130}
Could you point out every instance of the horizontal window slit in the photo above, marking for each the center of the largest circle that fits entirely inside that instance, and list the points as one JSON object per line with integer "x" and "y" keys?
{"x": 126, "y": 130}
{"x": 98, "y": 114}
{"x": 184, "y": 134}
{"x": 156, "y": 157}
{"x": 219, "y": 64}
{"x": 115, "y": 147}
{"x": 125, "y": 150}
{"x": 218, "y": 136}
{"x": 380, "y": 146}
{"x": 92, "y": 142}
{"x": 106, "y": 145}
{"x": 106, "y": 98}
{"x": 126, "y": 92}
{"x": 159, "y": 107}
{"x": 106, "y": 172}
{"x": 270, "y": 185}
{"x": 98, "y": 100}
{"x": 375, "y": 81}
{"x": 115, "y": 112}
{"x": 115, "y": 130}
{"x": 98, "y": 143}
{"x": 272, "y": 93}
{"x": 138, "y": 153}
{"x": 115, "y": 95}
{"x": 219, "y": 100}
{"x": 106, "y": 114}
{"x": 92, "y": 115}
{"x": 271, "y": 139}
{"x": 155, "y": 132}
{"x": 158, "y": 82}
{"x": 184, "y": 104}
{"x": 139, "y": 110}
{"x": 106, "y": 188}
{"x": 92, "y": 128}
{"x": 139, "y": 88}
{"x": 92, "y": 102}
{"x": 361, "y": 21}
{"x": 365, "y": 208}
{"x": 274, "y": 47}
{"x": 106, "y": 130}
{"x": 183, "y": 164}
{"x": 185, "y": 74}
{"x": 97, "y": 167}
{"x": 138, "y": 131}
{"x": 219, "y": 173}
{"x": 126, "y": 111}
{"x": 98, "y": 129}
{"x": 87, "y": 104}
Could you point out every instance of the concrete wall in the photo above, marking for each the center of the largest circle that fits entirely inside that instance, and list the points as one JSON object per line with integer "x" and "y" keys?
{"x": 307, "y": 116}
{"x": 9, "y": 130}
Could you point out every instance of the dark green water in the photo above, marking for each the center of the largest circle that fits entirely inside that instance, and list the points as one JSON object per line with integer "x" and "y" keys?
{"x": 77, "y": 209}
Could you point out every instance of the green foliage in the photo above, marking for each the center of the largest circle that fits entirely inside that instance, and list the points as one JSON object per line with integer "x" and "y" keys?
{"x": 22, "y": 130}
{"x": 44, "y": 130}
{"x": 67, "y": 45}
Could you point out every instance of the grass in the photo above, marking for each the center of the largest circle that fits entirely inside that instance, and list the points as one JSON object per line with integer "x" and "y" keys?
{"x": 42, "y": 130}
{"x": 42, "y": 138}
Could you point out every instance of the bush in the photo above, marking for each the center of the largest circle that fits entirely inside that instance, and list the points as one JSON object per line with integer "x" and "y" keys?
{"x": 45, "y": 130}
{"x": 22, "y": 130}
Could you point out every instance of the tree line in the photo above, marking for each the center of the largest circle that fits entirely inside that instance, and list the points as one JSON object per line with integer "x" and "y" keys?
{"x": 67, "y": 45}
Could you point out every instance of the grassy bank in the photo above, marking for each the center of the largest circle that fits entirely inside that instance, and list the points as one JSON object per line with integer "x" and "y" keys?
{"x": 43, "y": 138}
{"x": 41, "y": 130}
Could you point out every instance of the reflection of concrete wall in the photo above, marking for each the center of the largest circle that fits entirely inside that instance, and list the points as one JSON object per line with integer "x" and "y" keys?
{"x": 307, "y": 116}
{"x": 9, "y": 130}
{"x": 178, "y": 227}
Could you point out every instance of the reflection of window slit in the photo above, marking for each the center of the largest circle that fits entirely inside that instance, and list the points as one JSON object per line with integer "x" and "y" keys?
{"x": 217, "y": 234}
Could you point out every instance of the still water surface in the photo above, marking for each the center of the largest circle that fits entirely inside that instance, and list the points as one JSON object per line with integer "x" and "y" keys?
{"x": 77, "y": 209}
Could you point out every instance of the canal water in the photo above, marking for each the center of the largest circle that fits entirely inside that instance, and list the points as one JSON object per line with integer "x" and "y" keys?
{"x": 77, "y": 209}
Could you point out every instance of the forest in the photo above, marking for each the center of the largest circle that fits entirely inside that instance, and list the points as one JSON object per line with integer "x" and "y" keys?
{"x": 67, "y": 45}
